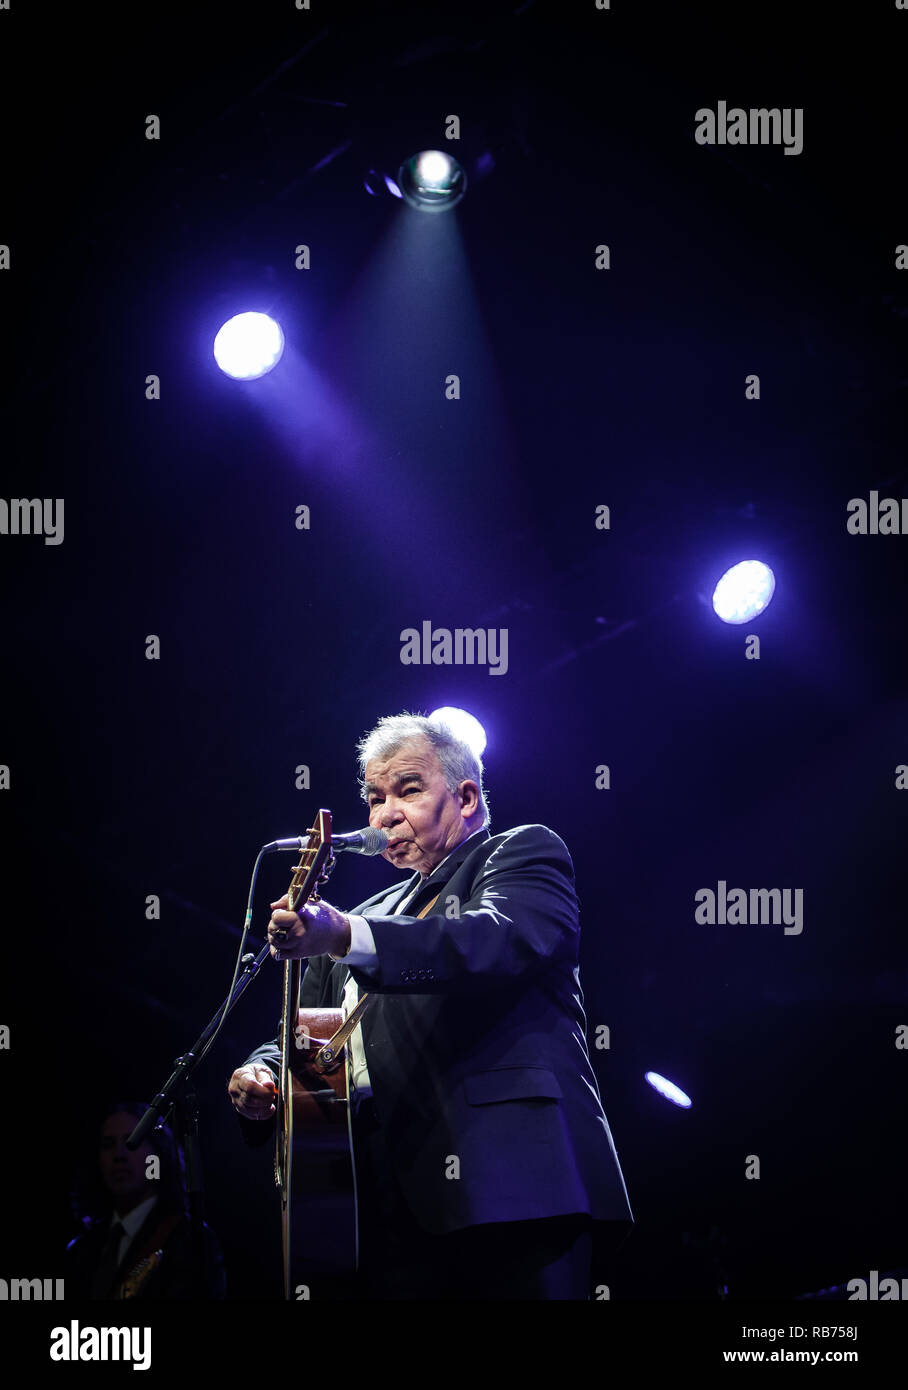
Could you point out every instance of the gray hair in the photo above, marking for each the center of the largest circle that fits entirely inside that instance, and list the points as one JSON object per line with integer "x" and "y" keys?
{"x": 458, "y": 761}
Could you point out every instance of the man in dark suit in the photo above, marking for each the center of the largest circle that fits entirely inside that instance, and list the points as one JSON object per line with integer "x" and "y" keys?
{"x": 136, "y": 1240}
{"x": 484, "y": 1160}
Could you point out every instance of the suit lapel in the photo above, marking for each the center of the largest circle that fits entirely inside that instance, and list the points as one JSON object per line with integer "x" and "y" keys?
{"x": 373, "y": 1027}
{"x": 383, "y": 906}
{"x": 437, "y": 880}
{"x": 390, "y": 908}
{"x": 388, "y": 904}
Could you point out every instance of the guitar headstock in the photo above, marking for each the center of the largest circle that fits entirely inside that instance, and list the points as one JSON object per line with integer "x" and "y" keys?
{"x": 315, "y": 863}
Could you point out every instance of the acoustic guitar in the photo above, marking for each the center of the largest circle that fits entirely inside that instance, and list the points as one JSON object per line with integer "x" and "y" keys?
{"x": 313, "y": 1165}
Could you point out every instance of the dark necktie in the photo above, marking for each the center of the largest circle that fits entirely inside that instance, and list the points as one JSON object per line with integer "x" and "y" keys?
{"x": 108, "y": 1264}
{"x": 409, "y": 888}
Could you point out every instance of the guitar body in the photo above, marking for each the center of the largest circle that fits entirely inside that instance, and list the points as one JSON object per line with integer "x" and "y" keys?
{"x": 320, "y": 1224}
{"x": 313, "y": 1165}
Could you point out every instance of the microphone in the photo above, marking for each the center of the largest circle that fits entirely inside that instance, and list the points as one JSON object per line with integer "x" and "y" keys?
{"x": 368, "y": 841}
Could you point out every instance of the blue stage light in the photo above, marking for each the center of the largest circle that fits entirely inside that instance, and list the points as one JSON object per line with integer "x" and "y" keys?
{"x": 668, "y": 1089}
{"x": 248, "y": 345}
{"x": 432, "y": 181}
{"x": 743, "y": 591}
{"x": 463, "y": 725}
{"x": 434, "y": 168}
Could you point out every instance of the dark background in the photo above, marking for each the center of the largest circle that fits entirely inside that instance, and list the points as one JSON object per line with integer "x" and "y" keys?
{"x": 133, "y": 777}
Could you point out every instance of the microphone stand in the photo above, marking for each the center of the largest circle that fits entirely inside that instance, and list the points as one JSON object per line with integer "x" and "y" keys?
{"x": 177, "y": 1095}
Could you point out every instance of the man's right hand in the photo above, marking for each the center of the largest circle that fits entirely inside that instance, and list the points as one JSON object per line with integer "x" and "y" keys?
{"x": 253, "y": 1092}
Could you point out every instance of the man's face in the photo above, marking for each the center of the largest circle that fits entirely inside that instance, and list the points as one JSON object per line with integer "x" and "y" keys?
{"x": 408, "y": 799}
{"x": 122, "y": 1169}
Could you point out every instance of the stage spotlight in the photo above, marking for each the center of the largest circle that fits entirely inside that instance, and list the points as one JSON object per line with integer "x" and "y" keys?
{"x": 463, "y": 725}
{"x": 668, "y": 1089}
{"x": 432, "y": 181}
{"x": 743, "y": 591}
{"x": 248, "y": 345}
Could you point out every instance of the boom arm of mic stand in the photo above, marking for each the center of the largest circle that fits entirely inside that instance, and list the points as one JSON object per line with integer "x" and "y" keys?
{"x": 186, "y": 1064}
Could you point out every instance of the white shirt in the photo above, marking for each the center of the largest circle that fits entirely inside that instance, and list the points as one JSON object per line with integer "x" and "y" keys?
{"x": 358, "y": 1072}
{"x": 362, "y": 952}
{"x": 132, "y": 1223}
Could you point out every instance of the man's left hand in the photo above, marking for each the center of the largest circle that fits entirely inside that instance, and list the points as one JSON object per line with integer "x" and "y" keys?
{"x": 318, "y": 929}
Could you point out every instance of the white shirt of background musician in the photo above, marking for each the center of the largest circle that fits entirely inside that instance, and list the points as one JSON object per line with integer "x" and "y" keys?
{"x": 132, "y": 1224}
